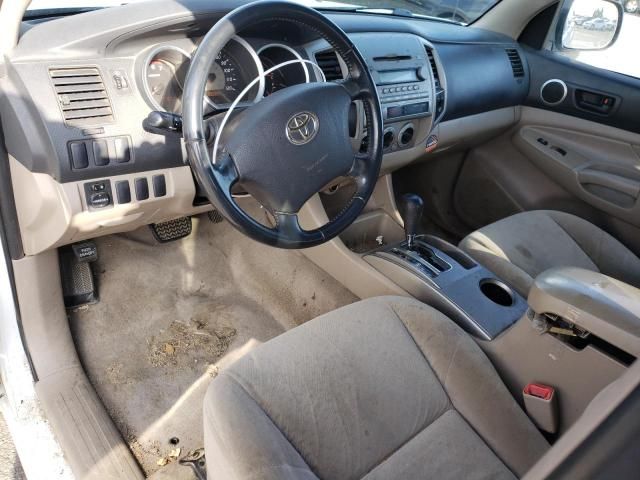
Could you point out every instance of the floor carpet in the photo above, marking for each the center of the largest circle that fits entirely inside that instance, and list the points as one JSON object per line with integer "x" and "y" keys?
{"x": 171, "y": 315}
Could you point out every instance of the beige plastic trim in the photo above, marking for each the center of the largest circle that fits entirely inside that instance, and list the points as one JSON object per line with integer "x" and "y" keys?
{"x": 466, "y": 132}
{"x": 522, "y": 355}
{"x": 91, "y": 443}
{"x": 604, "y": 306}
{"x": 595, "y": 415}
{"x": 510, "y": 17}
{"x": 52, "y": 214}
{"x": 341, "y": 263}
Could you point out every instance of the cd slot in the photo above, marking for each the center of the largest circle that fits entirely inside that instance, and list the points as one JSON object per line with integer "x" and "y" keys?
{"x": 392, "y": 58}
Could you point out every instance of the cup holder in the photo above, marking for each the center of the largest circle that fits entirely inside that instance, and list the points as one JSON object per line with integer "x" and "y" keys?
{"x": 497, "y": 292}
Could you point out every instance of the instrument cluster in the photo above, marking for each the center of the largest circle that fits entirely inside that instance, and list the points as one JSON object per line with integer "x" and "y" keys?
{"x": 165, "y": 68}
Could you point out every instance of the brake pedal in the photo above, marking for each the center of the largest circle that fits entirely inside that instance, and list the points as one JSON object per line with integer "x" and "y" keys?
{"x": 215, "y": 216}
{"x": 78, "y": 286}
{"x": 172, "y": 230}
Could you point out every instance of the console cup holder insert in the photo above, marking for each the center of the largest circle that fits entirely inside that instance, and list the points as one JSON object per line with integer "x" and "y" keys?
{"x": 497, "y": 292}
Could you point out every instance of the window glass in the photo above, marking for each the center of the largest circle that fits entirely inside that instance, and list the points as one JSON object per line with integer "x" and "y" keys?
{"x": 622, "y": 56}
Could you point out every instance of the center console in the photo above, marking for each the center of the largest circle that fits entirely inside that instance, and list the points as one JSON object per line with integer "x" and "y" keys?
{"x": 439, "y": 274}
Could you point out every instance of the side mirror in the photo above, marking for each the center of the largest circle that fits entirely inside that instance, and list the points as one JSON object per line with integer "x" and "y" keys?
{"x": 588, "y": 24}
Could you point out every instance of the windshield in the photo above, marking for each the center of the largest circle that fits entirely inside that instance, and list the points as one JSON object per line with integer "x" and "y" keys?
{"x": 462, "y": 11}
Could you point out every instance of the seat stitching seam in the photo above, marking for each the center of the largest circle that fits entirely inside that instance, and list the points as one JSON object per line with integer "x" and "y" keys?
{"x": 238, "y": 382}
{"x": 421, "y": 352}
{"x": 579, "y": 245}
{"x": 453, "y": 356}
{"x": 400, "y": 447}
{"x": 443, "y": 384}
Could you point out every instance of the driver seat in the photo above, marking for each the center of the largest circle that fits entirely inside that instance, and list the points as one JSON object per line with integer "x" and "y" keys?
{"x": 383, "y": 388}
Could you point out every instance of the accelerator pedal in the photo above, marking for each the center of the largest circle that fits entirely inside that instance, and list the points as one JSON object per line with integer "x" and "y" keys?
{"x": 78, "y": 286}
{"x": 172, "y": 230}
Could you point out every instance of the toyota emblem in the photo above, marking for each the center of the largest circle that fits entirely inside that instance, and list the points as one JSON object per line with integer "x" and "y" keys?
{"x": 302, "y": 128}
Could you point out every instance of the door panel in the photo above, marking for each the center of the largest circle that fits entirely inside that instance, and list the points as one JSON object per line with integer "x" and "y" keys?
{"x": 581, "y": 155}
{"x": 597, "y": 178}
{"x": 602, "y": 172}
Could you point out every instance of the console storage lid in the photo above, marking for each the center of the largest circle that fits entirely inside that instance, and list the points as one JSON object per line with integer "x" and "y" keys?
{"x": 606, "y": 307}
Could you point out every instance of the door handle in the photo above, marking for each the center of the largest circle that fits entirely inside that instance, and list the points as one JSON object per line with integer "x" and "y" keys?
{"x": 594, "y": 102}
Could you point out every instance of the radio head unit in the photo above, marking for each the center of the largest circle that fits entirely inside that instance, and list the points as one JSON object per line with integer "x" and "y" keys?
{"x": 400, "y": 68}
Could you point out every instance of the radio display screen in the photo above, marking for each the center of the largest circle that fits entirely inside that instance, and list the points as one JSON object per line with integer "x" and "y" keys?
{"x": 398, "y": 76}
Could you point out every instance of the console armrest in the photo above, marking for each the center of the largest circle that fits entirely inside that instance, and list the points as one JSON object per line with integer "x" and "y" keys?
{"x": 606, "y": 307}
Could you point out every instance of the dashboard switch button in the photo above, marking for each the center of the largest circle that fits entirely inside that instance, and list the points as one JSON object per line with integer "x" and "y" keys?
{"x": 100, "y": 153}
{"x": 100, "y": 200}
{"x": 122, "y": 149}
{"x": 142, "y": 188}
{"x": 78, "y": 153}
{"x": 159, "y": 185}
{"x": 123, "y": 192}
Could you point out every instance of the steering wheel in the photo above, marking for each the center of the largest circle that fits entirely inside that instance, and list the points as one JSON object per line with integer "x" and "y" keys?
{"x": 293, "y": 143}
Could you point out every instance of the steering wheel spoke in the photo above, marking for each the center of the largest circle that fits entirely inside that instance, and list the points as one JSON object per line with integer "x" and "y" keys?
{"x": 354, "y": 88}
{"x": 288, "y": 224}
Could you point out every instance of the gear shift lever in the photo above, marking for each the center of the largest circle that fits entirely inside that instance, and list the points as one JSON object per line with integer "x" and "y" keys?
{"x": 411, "y": 206}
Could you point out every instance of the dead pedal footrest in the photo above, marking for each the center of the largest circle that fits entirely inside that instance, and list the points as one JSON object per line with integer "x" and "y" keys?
{"x": 172, "y": 230}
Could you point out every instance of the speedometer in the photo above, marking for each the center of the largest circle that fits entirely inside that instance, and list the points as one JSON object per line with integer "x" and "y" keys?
{"x": 225, "y": 81}
{"x": 234, "y": 68}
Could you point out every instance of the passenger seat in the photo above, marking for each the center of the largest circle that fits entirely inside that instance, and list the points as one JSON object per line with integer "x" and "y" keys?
{"x": 520, "y": 247}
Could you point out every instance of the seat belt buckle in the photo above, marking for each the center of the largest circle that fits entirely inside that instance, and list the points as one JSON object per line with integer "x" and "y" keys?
{"x": 541, "y": 404}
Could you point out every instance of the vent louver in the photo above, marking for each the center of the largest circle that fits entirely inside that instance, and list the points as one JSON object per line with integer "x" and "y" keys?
{"x": 434, "y": 69}
{"x": 329, "y": 64}
{"x": 516, "y": 62}
{"x": 82, "y": 96}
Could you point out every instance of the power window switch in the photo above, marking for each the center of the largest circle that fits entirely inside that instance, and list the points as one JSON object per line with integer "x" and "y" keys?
{"x": 142, "y": 188}
{"x": 78, "y": 154}
{"x": 159, "y": 185}
{"x": 123, "y": 191}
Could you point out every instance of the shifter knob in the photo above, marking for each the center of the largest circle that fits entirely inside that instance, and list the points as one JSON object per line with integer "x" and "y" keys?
{"x": 411, "y": 206}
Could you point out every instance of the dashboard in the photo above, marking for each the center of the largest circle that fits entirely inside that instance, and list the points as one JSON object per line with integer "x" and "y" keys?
{"x": 76, "y": 98}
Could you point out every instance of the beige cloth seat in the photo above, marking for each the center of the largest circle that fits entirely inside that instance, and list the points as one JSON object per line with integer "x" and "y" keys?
{"x": 386, "y": 388}
{"x": 520, "y": 247}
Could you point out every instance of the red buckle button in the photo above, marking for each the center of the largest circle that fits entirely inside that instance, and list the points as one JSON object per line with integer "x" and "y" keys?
{"x": 538, "y": 390}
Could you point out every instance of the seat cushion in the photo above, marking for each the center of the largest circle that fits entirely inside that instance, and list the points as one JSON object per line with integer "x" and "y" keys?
{"x": 383, "y": 388}
{"x": 520, "y": 247}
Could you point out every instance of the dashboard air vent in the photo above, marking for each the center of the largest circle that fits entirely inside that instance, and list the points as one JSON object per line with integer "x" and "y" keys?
{"x": 329, "y": 64}
{"x": 434, "y": 69}
{"x": 440, "y": 93}
{"x": 516, "y": 62}
{"x": 82, "y": 96}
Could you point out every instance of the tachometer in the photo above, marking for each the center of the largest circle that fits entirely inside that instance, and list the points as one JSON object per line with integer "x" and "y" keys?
{"x": 292, "y": 74}
{"x": 164, "y": 77}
